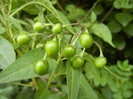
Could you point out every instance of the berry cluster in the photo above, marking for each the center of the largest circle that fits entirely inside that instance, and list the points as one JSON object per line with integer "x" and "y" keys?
{"x": 52, "y": 48}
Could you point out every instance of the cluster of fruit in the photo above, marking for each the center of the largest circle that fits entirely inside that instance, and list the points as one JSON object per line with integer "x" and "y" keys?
{"x": 69, "y": 51}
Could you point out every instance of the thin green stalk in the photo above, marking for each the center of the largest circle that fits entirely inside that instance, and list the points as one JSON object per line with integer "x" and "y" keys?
{"x": 58, "y": 75}
{"x": 82, "y": 53}
{"x": 35, "y": 84}
{"x": 29, "y": 85}
{"x": 53, "y": 73}
{"x": 101, "y": 53}
{"x": 10, "y": 7}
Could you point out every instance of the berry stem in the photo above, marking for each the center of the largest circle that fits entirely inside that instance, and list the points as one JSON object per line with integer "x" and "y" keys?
{"x": 29, "y": 85}
{"x": 82, "y": 53}
{"x": 53, "y": 73}
{"x": 101, "y": 53}
{"x": 45, "y": 56}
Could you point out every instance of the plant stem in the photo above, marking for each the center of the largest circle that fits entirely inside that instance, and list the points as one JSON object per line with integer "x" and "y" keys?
{"x": 35, "y": 84}
{"x": 91, "y": 9}
{"x": 10, "y": 7}
{"x": 45, "y": 56}
{"x": 111, "y": 9}
{"x": 29, "y": 85}
{"x": 82, "y": 53}
{"x": 58, "y": 75}
{"x": 101, "y": 53}
{"x": 52, "y": 75}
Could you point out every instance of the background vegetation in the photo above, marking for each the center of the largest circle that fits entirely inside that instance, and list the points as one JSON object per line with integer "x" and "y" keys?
{"x": 110, "y": 22}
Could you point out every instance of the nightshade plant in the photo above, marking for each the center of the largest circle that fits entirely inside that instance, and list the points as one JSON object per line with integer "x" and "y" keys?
{"x": 53, "y": 56}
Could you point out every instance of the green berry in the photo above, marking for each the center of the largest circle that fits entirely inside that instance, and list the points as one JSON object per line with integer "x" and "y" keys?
{"x": 41, "y": 67}
{"x": 77, "y": 62}
{"x": 23, "y": 38}
{"x": 52, "y": 48}
{"x": 86, "y": 40}
{"x": 57, "y": 28}
{"x": 100, "y": 62}
{"x": 38, "y": 26}
{"x": 69, "y": 51}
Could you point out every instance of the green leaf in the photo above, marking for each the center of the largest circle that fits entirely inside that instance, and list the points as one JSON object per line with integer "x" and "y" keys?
{"x": 123, "y": 4}
{"x": 65, "y": 20}
{"x": 119, "y": 42}
{"x": 114, "y": 27}
{"x": 123, "y": 18}
{"x": 7, "y": 54}
{"x": 2, "y": 29}
{"x": 15, "y": 23}
{"x": 93, "y": 17}
{"x": 103, "y": 32}
{"x": 48, "y": 5}
{"x": 87, "y": 91}
{"x": 42, "y": 94}
{"x": 129, "y": 30}
{"x": 73, "y": 81}
{"x": 23, "y": 68}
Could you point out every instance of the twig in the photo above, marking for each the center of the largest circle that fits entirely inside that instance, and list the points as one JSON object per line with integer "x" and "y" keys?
{"x": 111, "y": 9}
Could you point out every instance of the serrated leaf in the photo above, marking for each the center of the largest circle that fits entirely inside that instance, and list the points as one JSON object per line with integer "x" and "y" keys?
{"x": 23, "y": 68}
{"x": 123, "y": 4}
{"x": 7, "y": 53}
{"x": 102, "y": 31}
{"x": 124, "y": 18}
{"x": 73, "y": 81}
{"x": 89, "y": 93}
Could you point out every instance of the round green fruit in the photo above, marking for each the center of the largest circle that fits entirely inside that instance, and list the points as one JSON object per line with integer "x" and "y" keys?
{"x": 52, "y": 48}
{"x": 69, "y": 51}
{"x": 86, "y": 40}
{"x": 23, "y": 38}
{"x": 100, "y": 62}
{"x": 38, "y": 26}
{"x": 57, "y": 28}
{"x": 77, "y": 62}
{"x": 41, "y": 67}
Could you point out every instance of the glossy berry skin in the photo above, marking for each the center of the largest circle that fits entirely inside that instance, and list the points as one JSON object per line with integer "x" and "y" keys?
{"x": 38, "y": 26}
{"x": 86, "y": 40}
{"x": 41, "y": 67}
{"x": 100, "y": 62}
{"x": 57, "y": 28}
{"x": 77, "y": 62}
{"x": 23, "y": 38}
{"x": 52, "y": 48}
{"x": 69, "y": 51}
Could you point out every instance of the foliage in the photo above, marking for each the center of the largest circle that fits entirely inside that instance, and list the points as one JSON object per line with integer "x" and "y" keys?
{"x": 109, "y": 22}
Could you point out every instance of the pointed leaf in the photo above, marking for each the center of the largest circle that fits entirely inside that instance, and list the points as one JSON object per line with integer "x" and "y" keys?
{"x": 23, "y": 68}
{"x": 73, "y": 81}
{"x": 7, "y": 54}
{"x": 103, "y": 32}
